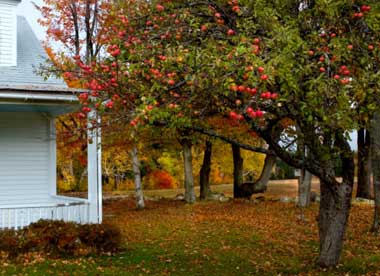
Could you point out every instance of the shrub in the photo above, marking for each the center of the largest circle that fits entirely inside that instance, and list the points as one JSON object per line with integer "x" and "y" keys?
{"x": 58, "y": 238}
{"x": 161, "y": 180}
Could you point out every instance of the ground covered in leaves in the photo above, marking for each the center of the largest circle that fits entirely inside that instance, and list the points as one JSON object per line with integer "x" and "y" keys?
{"x": 212, "y": 238}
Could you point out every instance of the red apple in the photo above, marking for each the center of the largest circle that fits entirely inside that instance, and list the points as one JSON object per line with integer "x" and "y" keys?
{"x": 160, "y": 8}
{"x": 230, "y": 32}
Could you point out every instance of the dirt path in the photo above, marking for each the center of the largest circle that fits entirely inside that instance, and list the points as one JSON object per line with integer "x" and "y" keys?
{"x": 276, "y": 189}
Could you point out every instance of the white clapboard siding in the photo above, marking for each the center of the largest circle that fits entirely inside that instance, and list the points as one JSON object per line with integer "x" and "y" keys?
{"x": 18, "y": 217}
{"x": 8, "y": 33}
{"x": 24, "y": 158}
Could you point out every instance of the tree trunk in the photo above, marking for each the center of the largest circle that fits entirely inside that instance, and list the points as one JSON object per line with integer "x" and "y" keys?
{"x": 188, "y": 168}
{"x": 364, "y": 164}
{"x": 376, "y": 188}
{"x": 334, "y": 212}
{"x": 140, "y": 204}
{"x": 375, "y": 137}
{"x": 260, "y": 186}
{"x": 304, "y": 187}
{"x": 238, "y": 171}
{"x": 204, "y": 174}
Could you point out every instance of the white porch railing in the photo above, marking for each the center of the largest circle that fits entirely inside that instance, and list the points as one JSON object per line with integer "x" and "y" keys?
{"x": 16, "y": 217}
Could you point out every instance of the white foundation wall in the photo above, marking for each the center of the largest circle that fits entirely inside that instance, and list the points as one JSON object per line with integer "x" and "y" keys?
{"x": 24, "y": 158}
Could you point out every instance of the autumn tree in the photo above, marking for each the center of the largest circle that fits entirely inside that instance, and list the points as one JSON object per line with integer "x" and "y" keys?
{"x": 80, "y": 32}
{"x": 311, "y": 62}
{"x": 262, "y": 62}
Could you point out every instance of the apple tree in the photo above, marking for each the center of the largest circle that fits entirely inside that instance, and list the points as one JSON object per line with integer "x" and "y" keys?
{"x": 262, "y": 63}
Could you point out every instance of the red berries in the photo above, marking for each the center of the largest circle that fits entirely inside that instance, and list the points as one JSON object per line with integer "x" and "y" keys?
{"x": 264, "y": 77}
{"x": 322, "y": 69}
{"x": 261, "y": 70}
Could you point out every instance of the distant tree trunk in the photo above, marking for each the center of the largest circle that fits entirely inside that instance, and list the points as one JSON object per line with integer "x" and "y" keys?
{"x": 238, "y": 171}
{"x": 204, "y": 174}
{"x": 304, "y": 188}
{"x": 247, "y": 189}
{"x": 364, "y": 164}
{"x": 375, "y": 130}
{"x": 376, "y": 188}
{"x": 140, "y": 204}
{"x": 334, "y": 209}
{"x": 188, "y": 169}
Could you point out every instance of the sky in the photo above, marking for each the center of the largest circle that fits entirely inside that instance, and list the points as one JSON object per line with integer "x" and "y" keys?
{"x": 27, "y": 9}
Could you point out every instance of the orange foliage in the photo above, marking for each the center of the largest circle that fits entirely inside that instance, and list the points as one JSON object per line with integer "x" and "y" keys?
{"x": 161, "y": 180}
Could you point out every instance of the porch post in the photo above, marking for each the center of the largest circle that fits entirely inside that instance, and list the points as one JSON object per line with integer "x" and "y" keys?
{"x": 52, "y": 157}
{"x": 94, "y": 168}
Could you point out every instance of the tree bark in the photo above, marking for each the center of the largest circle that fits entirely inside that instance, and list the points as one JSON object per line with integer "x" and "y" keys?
{"x": 260, "y": 186}
{"x": 375, "y": 130}
{"x": 334, "y": 211}
{"x": 304, "y": 187}
{"x": 364, "y": 164}
{"x": 376, "y": 188}
{"x": 204, "y": 174}
{"x": 238, "y": 171}
{"x": 188, "y": 169}
{"x": 140, "y": 204}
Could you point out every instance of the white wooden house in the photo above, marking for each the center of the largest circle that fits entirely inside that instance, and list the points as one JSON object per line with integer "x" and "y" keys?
{"x": 28, "y": 108}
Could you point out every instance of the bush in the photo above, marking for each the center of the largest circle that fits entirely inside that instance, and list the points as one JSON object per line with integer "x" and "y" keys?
{"x": 58, "y": 238}
{"x": 160, "y": 180}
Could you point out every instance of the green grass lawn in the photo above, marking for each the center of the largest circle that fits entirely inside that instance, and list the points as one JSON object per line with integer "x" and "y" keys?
{"x": 234, "y": 238}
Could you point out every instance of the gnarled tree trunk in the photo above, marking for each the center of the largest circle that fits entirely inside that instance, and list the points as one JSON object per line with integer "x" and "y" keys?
{"x": 140, "y": 204}
{"x": 364, "y": 164}
{"x": 204, "y": 174}
{"x": 334, "y": 212}
{"x": 188, "y": 169}
{"x": 238, "y": 171}
{"x": 375, "y": 141}
{"x": 261, "y": 185}
{"x": 304, "y": 188}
